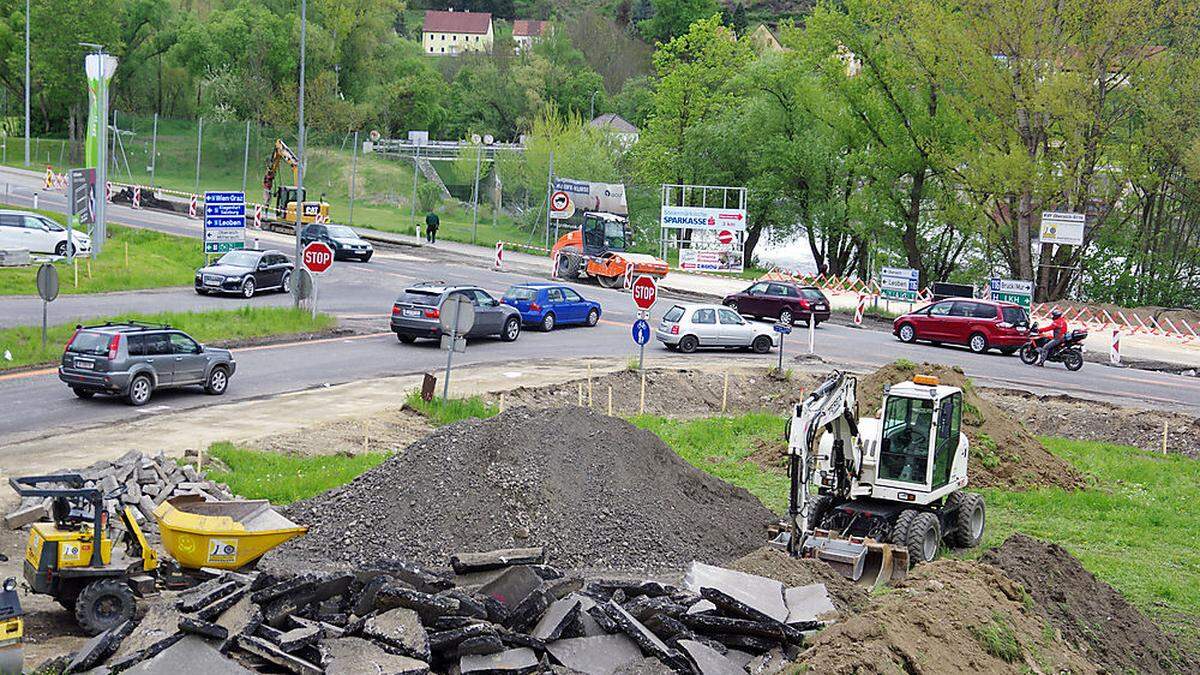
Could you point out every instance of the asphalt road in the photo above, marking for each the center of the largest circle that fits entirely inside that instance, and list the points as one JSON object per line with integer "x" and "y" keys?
{"x": 37, "y": 404}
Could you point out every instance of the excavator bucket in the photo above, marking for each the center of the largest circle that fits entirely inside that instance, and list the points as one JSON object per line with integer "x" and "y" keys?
{"x": 862, "y": 560}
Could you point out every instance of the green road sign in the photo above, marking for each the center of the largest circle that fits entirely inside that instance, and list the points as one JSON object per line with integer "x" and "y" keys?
{"x": 1015, "y": 291}
{"x": 223, "y": 246}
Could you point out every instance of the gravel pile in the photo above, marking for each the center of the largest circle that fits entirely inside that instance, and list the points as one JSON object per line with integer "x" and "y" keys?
{"x": 595, "y": 491}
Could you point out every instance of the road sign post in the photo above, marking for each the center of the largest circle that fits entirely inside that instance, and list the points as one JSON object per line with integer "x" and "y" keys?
{"x": 899, "y": 283}
{"x": 47, "y": 287}
{"x": 224, "y": 222}
{"x": 783, "y": 329}
{"x": 641, "y": 335}
{"x": 645, "y": 292}
{"x": 316, "y": 258}
{"x": 457, "y": 317}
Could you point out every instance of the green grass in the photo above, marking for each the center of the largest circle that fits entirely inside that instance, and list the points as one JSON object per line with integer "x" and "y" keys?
{"x": 154, "y": 260}
{"x": 453, "y": 410}
{"x": 997, "y": 639}
{"x": 1135, "y": 527}
{"x": 283, "y": 479}
{"x": 723, "y": 446}
{"x": 25, "y": 342}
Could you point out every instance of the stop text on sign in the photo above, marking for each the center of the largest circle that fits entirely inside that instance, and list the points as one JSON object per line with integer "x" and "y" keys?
{"x": 645, "y": 292}
{"x": 317, "y": 257}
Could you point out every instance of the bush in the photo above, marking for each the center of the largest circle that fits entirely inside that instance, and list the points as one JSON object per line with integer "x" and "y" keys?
{"x": 429, "y": 196}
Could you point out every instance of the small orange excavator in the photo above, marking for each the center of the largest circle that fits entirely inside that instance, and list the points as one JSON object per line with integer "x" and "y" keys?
{"x": 596, "y": 249}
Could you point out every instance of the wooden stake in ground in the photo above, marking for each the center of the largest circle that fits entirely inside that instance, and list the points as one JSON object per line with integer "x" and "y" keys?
{"x": 642, "y": 399}
{"x": 610, "y": 400}
{"x": 200, "y": 459}
{"x": 589, "y": 386}
{"x": 1164, "y": 437}
{"x": 579, "y": 396}
{"x": 126, "y": 255}
{"x": 501, "y": 401}
{"x": 89, "y": 268}
{"x": 75, "y": 264}
{"x": 725, "y": 393}
{"x": 366, "y": 439}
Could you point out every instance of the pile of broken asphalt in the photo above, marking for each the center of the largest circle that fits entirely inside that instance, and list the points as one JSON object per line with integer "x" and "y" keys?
{"x": 500, "y": 612}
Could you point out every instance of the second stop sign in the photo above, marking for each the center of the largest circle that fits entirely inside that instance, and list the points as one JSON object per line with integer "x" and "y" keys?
{"x": 645, "y": 292}
{"x": 316, "y": 257}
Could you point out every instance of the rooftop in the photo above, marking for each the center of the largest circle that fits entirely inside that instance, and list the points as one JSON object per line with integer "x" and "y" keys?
{"x": 529, "y": 27}
{"x": 614, "y": 122}
{"x": 457, "y": 22}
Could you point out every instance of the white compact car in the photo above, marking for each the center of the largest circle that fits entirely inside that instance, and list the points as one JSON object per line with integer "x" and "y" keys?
{"x": 38, "y": 234}
{"x": 689, "y": 327}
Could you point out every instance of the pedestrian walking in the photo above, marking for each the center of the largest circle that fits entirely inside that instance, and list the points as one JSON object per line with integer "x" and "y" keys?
{"x": 431, "y": 227}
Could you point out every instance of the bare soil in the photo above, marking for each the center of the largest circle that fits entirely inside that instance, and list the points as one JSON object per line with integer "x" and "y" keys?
{"x": 1086, "y": 420}
{"x": 1004, "y": 454}
{"x": 1092, "y": 615}
{"x": 390, "y": 431}
{"x": 949, "y": 616}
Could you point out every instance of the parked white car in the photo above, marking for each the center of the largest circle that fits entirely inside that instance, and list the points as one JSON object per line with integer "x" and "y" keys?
{"x": 38, "y": 234}
{"x": 689, "y": 327}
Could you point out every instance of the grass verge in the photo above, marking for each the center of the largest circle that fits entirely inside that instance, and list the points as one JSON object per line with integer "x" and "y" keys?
{"x": 453, "y": 410}
{"x": 133, "y": 258}
{"x": 283, "y": 479}
{"x": 24, "y": 343}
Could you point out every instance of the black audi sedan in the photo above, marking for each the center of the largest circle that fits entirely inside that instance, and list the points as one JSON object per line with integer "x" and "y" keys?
{"x": 245, "y": 273}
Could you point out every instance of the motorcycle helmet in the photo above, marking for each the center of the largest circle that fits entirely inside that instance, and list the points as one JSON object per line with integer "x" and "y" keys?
{"x": 1056, "y": 314}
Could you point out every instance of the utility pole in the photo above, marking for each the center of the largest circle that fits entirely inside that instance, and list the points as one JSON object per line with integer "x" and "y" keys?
{"x": 300, "y": 146}
{"x": 27, "y": 84}
{"x": 549, "y": 191}
{"x": 592, "y": 106}
{"x": 246, "y": 157}
{"x": 413, "y": 203}
{"x": 353, "y": 175}
{"x": 154, "y": 151}
{"x": 475, "y": 194}
{"x": 199, "y": 139}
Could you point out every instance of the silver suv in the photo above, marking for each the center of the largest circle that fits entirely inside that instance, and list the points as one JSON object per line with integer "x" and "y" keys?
{"x": 132, "y": 359}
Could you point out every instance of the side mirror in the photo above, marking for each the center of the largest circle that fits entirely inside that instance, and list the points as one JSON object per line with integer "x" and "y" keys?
{"x": 199, "y": 349}
{"x": 262, "y": 265}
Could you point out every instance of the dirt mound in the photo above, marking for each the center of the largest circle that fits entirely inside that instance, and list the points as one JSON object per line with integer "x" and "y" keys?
{"x": 1090, "y": 613}
{"x": 1003, "y": 453}
{"x": 673, "y": 392}
{"x": 949, "y": 616}
{"x": 390, "y": 431}
{"x": 775, "y": 564}
{"x": 597, "y": 492}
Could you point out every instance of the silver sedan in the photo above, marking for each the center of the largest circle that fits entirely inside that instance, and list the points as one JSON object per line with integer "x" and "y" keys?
{"x": 689, "y": 327}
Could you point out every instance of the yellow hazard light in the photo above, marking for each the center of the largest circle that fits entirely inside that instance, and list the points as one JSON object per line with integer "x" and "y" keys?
{"x": 930, "y": 380}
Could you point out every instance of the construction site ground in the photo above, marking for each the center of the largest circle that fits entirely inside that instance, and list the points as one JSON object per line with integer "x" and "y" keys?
{"x": 979, "y": 617}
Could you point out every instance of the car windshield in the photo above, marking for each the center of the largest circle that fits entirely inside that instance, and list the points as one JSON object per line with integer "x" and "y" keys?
{"x": 89, "y": 342}
{"x": 674, "y": 314}
{"x": 614, "y": 235}
{"x": 519, "y": 293}
{"x": 53, "y": 226}
{"x": 239, "y": 259}
{"x": 1015, "y": 315}
{"x": 811, "y": 294}
{"x": 341, "y": 232}
{"x": 905, "y": 452}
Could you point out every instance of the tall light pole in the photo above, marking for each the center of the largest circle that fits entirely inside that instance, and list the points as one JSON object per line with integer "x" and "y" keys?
{"x": 300, "y": 154}
{"x": 27, "y": 83}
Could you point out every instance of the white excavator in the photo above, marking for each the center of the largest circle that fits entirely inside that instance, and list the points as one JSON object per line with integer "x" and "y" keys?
{"x": 889, "y": 490}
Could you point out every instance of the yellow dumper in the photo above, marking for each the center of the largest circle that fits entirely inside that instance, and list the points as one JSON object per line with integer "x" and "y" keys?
{"x": 224, "y": 535}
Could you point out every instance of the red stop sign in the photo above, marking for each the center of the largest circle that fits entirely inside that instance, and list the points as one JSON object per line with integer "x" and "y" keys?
{"x": 645, "y": 292}
{"x": 725, "y": 237}
{"x": 316, "y": 257}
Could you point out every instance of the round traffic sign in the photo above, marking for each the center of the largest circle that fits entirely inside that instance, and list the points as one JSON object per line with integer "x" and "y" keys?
{"x": 457, "y": 315}
{"x": 47, "y": 282}
{"x": 645, "y": 292}
{"x": 641, "y": 332}
{"x": 725, "y": 237}
{"x": 317, "y": 257}
{"x": 560, "y": 201}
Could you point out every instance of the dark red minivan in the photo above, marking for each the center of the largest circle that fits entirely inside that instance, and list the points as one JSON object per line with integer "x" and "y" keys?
{"x": 979, "y": 324}
{"x": 782, "y": 300}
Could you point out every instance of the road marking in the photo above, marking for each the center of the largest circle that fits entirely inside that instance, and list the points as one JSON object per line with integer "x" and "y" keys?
{"x": 28, "y": 373}
{"x": 297, "y": 343}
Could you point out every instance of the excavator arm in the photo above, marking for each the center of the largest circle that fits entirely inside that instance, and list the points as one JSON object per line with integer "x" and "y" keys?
{"x": 282, "y": 153}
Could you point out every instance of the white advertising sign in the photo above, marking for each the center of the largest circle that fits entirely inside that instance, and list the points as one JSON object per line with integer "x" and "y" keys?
{"x": 587, "y": 196}
{"x": 731, "y": 260}
{"x": 1062, "y": 227}
{"x": 703, "y": 218}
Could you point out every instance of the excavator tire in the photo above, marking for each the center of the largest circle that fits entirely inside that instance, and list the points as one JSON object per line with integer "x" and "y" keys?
{"x": 969, "y": 519}
{"x": 923, "y": 538}
{"x": 818, "y": 507}
{"x": 900, "y": 528}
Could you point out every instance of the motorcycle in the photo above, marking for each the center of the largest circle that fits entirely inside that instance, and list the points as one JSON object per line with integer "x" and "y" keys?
{"x": 1069, "y": 353}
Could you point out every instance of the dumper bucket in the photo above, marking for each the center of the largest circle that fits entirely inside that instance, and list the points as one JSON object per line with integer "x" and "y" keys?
{"x": 864, "y": 561}
{"x": 224, "y": 535}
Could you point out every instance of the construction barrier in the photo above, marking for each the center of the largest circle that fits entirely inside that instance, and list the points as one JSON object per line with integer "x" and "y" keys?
{"x": 858, "y": 310}
{"x": 137, "y": 197}
{"x": 258, "y": 216}
{"x": 192, "y": 207}
{"x": 1114, "y": 354}
{"x": 108, "y": 192}
{"x": 499, "y": 262}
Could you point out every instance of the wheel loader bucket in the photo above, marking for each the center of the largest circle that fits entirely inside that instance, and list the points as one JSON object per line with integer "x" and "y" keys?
{"x": 864, "y": 561}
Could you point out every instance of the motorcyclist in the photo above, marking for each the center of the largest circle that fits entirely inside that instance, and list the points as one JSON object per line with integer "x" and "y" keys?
{"x": 1058, "y": 329}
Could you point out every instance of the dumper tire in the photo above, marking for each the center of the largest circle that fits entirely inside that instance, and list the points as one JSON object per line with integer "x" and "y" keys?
{"x": 923, "y": 537}
{"x": 104, "y": 604}
{"x": 969, "y": 519}
{"x": 818, "y": 508}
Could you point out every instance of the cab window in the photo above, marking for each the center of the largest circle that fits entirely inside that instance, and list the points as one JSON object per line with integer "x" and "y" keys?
{"x": 571, "y": 296}
{"x": 905, "y": 450}
{"x": 758, "y": 288}
{"x": 554, "y": 295}
{"x": 949, "y": 420}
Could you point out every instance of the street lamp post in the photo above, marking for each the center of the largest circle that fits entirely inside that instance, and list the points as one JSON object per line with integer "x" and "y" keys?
{"x": 300, "y": 146}
{"x": 26, "y": 83}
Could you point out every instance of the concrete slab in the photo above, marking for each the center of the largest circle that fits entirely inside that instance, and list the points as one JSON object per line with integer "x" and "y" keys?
{"x": 557, "y": 618}
{"x": 401, "y": 630}
{"x": 808, "y": 603}
{"x": 647, "y": 640}
{"x": 759, "y": 593}
{"x": 597, "y": 655}
{"x": 160, "y": 621}
{"x": 520, "y": 660}
{"x": 190, "y": 655}
{"x": 708, "y": 661}
{"x": 513, "y": 586}
{"x": 355, "y": 656}
{"x": 464, "y": 563}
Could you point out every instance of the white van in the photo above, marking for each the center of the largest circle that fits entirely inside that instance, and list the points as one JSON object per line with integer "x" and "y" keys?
{"x": 38, "y": 234}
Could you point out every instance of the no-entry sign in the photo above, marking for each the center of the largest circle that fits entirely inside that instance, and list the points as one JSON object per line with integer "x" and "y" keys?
{"x": 645, "y": 292}
{"x": 725, "y": 237}
{"x": 316, "y": 257}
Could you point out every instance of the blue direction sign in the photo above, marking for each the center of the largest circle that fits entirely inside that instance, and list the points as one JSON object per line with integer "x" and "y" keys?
{"x": 782, "y": 328}
{"x": 641, "y": 331}
{"x": 224, "y": 221}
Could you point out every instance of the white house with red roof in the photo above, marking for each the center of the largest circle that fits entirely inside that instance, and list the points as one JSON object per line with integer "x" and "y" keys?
{"x": 449, "y": 33}
{"x": 527, "y": 31}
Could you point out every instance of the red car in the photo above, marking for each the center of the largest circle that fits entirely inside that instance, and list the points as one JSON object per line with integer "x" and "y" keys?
{"x": 781, "y": 300}
{"x": 979, "y": 324}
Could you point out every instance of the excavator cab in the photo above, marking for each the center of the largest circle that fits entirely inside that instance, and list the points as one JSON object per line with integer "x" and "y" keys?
{"x": 603, "y": 232}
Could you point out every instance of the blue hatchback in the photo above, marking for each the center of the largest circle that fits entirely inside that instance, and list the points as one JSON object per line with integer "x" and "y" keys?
{"x": 547, "y": 305}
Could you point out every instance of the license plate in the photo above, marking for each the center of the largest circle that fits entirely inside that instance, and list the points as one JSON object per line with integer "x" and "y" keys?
{"x": 85, "y": 365}
{"x": 412, "y": 312}
{"x": 819, "y": 307}
{"x": 212, "y": 282}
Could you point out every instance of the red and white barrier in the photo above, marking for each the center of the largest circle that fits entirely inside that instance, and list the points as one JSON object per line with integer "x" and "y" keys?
{"x": 1114, "y": 354}
{"x": 554, "y": 265}
{"x": 859, "y": 309}
{"x": 137, "y": 197}
{"x": 49, "y": 178}
{"x": 258, "y": 216}
{"x": 108, "y": 192}
{"x": 192, "y": 207}
{"x": 499, "y": 262}
{"x": 628, "y": 277}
